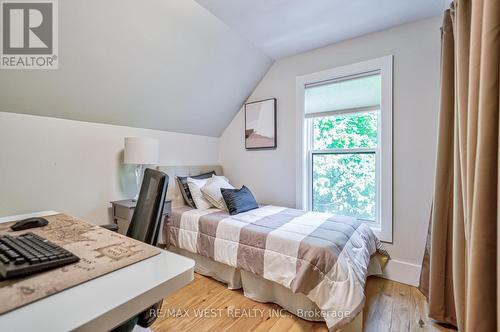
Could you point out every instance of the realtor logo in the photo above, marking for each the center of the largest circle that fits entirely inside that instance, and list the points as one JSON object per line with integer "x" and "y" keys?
{"x": 29, "y": 35}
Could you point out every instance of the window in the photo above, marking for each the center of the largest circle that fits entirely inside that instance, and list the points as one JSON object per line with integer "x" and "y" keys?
{"x": 345, "y": 157}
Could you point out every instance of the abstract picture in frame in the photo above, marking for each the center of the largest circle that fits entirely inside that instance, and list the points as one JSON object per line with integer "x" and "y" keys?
{"x": 260, "y": 124}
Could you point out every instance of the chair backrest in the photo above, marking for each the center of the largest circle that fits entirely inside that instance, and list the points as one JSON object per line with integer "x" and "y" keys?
{"x": 146, "y": 221}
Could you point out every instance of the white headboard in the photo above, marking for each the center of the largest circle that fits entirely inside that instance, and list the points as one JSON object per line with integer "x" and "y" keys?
{"x": 173, "y": 192}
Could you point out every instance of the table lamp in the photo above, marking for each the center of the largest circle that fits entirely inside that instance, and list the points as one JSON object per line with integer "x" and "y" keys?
{"x": 140, "y": 151}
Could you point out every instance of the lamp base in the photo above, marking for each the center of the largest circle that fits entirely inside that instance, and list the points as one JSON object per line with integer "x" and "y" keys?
{"x": 139, "y": 173}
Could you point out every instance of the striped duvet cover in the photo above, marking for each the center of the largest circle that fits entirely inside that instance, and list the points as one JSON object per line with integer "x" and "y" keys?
{"x": 322, "y": 256}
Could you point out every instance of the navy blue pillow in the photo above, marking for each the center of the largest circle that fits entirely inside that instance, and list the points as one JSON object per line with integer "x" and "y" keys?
{"x": 239, "y": 200}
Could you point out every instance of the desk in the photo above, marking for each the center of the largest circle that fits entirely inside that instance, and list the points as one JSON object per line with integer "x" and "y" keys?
{"x": 102, "y": 303}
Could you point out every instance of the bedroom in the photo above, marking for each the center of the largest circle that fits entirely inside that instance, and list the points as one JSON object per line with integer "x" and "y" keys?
{"x": 313, "y": 115}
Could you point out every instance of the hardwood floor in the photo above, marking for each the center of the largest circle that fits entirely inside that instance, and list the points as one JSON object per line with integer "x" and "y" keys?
{"x": 207, "y": 305}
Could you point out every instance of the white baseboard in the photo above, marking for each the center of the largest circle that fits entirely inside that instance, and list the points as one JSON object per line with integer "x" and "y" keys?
{"x": 404, "y": 272}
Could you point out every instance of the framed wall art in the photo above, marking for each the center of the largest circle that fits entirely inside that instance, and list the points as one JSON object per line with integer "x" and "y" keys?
{"x": 260, "y": 125}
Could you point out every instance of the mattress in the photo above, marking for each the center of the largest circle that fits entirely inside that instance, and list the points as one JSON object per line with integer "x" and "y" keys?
{"x": 323, "y": 257}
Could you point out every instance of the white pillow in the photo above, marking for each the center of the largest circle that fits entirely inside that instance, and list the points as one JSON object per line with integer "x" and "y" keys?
{"x": 212, "y": 191}
{"x": 221, "y": 177}
{"x": 195, "y": 189}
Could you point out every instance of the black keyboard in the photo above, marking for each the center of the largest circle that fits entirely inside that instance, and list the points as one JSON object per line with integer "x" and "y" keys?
{"x": 30, "y": 253}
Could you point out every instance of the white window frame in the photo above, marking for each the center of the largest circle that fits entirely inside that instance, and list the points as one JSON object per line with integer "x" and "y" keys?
{"x": 384, "y": 65}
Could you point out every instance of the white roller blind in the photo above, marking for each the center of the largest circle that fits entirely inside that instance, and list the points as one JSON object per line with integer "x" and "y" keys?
{"x": 346, "y": 94}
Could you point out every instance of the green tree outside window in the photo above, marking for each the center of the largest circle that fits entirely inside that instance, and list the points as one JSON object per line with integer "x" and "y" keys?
{"x": 344, "y": 181}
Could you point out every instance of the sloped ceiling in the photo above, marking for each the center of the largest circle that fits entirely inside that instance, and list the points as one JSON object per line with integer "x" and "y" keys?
{"x": 160, "y": 64}
{"x": 285, "y": 27}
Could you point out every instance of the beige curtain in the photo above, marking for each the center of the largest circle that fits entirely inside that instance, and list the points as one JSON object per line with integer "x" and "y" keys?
{"x": 460, "y": 270}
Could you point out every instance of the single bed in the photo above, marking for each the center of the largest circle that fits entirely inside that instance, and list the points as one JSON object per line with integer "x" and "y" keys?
{"x": 312, "y": 264}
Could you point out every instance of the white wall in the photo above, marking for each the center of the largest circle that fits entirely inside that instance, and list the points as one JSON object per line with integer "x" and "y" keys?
{"x": 77, "y": 167}
{"x": 271, "y": 174}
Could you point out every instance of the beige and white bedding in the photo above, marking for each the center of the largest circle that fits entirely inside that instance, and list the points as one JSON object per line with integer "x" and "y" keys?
{"x": 322, "y": 256}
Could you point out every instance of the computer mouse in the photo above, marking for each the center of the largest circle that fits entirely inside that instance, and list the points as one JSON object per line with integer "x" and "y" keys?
{"x": 29, "y": 223}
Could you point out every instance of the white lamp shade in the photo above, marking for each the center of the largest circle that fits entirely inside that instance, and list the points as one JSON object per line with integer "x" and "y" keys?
{"x": 141, "y": 151}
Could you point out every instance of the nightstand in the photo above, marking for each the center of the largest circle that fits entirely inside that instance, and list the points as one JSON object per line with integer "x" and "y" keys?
{"x": 124, "y": 210}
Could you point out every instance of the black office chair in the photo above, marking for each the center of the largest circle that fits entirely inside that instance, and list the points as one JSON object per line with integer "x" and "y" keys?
{"x": 145, "y": 227}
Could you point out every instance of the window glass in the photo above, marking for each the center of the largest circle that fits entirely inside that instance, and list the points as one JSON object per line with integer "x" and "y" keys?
{"x": 344, "y": 184}
{"x": 346, "y": 131}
